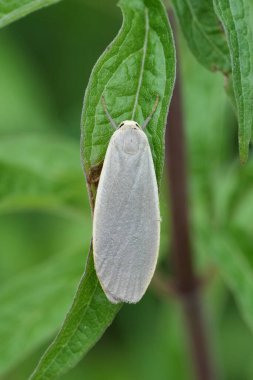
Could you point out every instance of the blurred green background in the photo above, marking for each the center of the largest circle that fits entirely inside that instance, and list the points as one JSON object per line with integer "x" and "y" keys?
{"x": 45, "y": 222}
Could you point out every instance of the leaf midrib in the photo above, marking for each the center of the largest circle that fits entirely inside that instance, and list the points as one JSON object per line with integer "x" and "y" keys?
{"x": 142, "y": 62}
{"x": 202, "y": 31}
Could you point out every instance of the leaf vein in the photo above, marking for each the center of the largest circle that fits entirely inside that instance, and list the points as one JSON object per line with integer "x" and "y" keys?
{"x": 142, "y": 62}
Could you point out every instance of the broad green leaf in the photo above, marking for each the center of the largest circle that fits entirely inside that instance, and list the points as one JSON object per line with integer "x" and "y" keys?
{"x": 204, "y": 33}
{"x": 220, "y": 38}
{"x": 224, "y": 232}
{"x": 22, "y": 90}
{"x": 234, "y": 200}
{"x": 135, "y": 68}
{"x": 15, "y": 9}
{"x": 34, "y": 303}
{"x": 233, "y": 15}
{"x": 236, "y": 267}
{"x": 42, "y": 172}
{"x": 88, "y": 317}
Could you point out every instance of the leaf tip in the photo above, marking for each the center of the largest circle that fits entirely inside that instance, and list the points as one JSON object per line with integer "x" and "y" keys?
{"x": 244, "y": 154}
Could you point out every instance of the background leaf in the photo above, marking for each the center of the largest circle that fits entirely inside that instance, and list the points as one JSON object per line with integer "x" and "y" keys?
{"x": 33, "y": 305}
{"x": 204, "y": 33}
{"x": 221, "y": 39}
{"x": 236, "y": 266}
{"x": 90, "y": 314}
{"x": 22, "y": 89}
{"x": 13, "y": 10}
{"x": 231, "y": 243}
{"x": 234, "y": 15}
{"x": 43, "y": 173}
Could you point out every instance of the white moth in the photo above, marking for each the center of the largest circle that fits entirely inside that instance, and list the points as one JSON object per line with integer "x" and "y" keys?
{"x": 126, "y": 225}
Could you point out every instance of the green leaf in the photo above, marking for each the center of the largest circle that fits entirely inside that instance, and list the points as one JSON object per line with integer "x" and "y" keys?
{"x": 34, "y": 303}
{"x": 89, "y": 316}
{"x": 135, "y": 68}
{"x": 233, "y": 256}
{"x": 13, "y": 10}
{"x": 42, "y": 172}
{"x": 204, "y": 33}
{"x": 19, "y": 83}
{"x": 225, "y": 232}
{"x": 234, "y": 17}
{"x": 219, "y": 35}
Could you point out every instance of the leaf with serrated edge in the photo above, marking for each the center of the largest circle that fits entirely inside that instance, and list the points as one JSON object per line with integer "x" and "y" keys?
{"x": 204, "y": 33}
{"x": 234, "y": 17}
{"x": 14, "y": 10}
{"x": 137, "y": 66}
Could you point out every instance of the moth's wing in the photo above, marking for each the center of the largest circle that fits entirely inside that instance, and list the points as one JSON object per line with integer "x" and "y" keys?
{"x": 126, "y": 228}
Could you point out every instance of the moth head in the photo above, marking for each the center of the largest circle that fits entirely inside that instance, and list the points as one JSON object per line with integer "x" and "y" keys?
{"x": 129, "y": 124}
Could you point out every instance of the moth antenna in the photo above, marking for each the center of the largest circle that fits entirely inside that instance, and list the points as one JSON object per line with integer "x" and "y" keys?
{"x": 112, "y": 122}
{"x": 152, "y": 113}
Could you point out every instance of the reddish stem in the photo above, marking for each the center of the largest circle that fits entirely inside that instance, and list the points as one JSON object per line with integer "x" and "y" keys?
{"x": 183, "y": 265}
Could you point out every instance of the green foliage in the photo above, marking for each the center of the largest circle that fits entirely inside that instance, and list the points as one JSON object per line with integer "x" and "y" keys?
{"x": 234, "y": 17}
{"x": 137, "y": 67}
{"x": 204, "y": 34}
{"x": 222, "y": 190}
{"x": 224, "y": 43}
{"x": 35, "y": 302}
{"x": 234, "y": 250}
{"x": 43, "y": 202}
{"x": 89, "y": 316}
{"x": 142, "y": 44}
{"x": 13, "y": 10}
{"x": 231, "y": 243}
{"x": 43, "y": 174}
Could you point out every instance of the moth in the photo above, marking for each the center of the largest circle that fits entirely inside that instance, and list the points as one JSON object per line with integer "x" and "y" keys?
{"x": 126, "y": 223}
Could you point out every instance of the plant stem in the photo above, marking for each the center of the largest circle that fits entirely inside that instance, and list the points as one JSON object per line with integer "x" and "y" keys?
{"x": 187, "y": 285}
